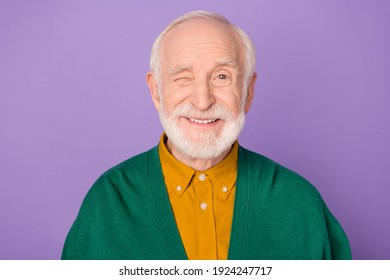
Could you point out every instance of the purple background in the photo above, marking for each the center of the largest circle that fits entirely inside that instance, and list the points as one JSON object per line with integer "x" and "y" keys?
{"x": 74, "y": 102}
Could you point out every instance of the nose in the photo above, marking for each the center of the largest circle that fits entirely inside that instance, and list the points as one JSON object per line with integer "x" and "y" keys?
{"x": 202, "y": 97}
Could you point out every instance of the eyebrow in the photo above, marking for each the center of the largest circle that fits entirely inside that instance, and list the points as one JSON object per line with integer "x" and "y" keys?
{"x": 227, "y": 61}
{"x": 179, "y": 68}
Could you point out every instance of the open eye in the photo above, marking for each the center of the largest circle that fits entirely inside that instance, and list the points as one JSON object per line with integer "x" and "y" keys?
{"x": 222, "y": 79}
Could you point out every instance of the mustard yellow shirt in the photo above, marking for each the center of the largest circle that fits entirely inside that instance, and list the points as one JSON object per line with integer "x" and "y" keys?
{"x": 202, "y": 203}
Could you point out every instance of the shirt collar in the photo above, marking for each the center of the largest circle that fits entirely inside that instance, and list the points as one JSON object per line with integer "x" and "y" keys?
{"x": 224, "y": 174}
{"x": 179, "y": 176}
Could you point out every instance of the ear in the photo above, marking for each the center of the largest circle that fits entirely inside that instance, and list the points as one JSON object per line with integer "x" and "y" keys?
{"x": 153, "y": 87}
{"x": 250, "y": 93}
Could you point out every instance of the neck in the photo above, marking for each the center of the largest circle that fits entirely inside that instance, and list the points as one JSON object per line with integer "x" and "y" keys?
{"x": 195, "y": 163}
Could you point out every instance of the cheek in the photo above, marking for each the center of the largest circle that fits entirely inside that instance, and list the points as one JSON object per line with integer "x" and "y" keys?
{"x": 232, "y": 101}
{"x": 169, "y": 101}
{"x": 235, "y": 108}
{"x": 173, "y": 96}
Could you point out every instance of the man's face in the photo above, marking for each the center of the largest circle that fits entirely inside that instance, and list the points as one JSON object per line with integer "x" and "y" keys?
{"x": 200, "y": 97}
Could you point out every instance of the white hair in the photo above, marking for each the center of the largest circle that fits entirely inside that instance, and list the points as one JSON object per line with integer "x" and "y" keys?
{"x": 250, "y": 55}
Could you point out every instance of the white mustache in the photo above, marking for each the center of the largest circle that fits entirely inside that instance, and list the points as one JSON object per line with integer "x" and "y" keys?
{"x": 216, "y": 111}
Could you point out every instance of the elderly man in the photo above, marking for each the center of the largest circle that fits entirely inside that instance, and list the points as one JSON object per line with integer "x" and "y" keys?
{"x": 198, "y": 194}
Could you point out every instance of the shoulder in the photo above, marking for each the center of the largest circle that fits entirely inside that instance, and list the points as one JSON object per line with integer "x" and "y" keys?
{"x": 128, "y": 177}
{"x": 289, "y": 206}
{"x": 133, "y": 166}
{"x": 277, "y": 178}
{"x": 119, "y": 193}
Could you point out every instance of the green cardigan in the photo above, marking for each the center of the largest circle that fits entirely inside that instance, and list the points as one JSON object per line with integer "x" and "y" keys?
{"x": 277, "y": 215}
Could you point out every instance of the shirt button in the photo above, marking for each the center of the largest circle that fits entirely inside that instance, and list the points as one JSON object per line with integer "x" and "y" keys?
{"x": 202, "y": 177}
{"x": 178, "y": 188}
{"x": 224, "y": 189}
{"x": 203, "y": 206}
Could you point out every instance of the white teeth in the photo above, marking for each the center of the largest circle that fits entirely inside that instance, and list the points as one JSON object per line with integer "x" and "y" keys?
{"x": 203, "y": 121}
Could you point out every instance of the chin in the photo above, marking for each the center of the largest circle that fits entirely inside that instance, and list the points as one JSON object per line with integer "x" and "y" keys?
{"x": 203, "y": 144}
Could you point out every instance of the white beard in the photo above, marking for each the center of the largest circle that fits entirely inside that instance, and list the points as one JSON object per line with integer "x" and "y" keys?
{"x": 199, "y": 144}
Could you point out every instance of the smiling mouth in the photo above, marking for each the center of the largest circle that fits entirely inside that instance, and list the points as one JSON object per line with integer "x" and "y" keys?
{"x": 202, "y": 121}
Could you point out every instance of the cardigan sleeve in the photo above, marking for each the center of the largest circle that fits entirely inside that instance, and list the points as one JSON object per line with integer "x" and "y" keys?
{"x": 338, "y": 241}
{"x": 68, "y": 251}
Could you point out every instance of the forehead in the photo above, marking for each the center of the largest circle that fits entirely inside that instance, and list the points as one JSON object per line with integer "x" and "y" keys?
{"x": 198, "y": 39}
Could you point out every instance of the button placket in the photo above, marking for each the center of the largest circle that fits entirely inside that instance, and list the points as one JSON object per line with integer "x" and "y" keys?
{"x": 206, "y": 221}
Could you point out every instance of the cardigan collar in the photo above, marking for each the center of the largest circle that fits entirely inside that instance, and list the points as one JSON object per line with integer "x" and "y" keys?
{"x": 169, "y": 231}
